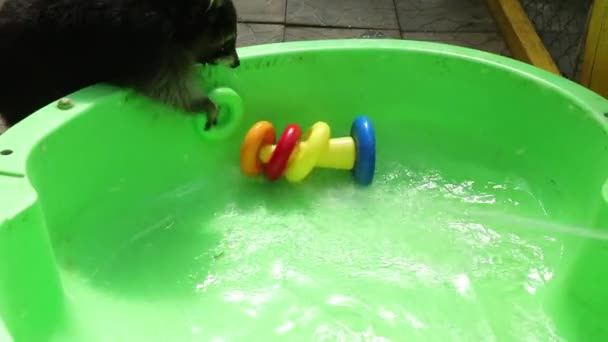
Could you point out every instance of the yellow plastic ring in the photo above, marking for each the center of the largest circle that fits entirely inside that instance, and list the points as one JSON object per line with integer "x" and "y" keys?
{"x": 307, "y": 153}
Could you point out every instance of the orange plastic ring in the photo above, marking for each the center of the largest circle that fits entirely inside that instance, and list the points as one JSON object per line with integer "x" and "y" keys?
{"x": 260, "y": 135}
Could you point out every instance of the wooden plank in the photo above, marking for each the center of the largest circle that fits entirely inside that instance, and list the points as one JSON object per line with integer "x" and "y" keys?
{"x": 520, "y": 35}
{"x": 594, "y": 72}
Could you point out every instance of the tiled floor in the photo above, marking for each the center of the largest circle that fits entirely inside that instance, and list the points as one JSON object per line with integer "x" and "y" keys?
{"x": 459, "y": 22}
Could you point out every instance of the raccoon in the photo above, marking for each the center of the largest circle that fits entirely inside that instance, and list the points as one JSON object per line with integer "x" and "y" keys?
{"x": 50, "y": 48}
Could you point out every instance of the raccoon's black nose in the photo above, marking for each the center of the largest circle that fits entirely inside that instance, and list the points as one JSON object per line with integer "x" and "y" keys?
{"x": 236, "y": 63}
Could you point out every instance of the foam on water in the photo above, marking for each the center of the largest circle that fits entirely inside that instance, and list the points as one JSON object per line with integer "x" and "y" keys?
{"x": 416, "y": 256}
{"x": 389, "y": 263}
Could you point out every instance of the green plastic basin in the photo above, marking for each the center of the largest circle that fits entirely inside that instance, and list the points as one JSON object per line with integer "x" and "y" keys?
{"x": 121, "y": 220}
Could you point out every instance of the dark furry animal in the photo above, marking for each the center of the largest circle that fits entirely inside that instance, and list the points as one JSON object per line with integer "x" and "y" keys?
{"x": 50, "y": 48}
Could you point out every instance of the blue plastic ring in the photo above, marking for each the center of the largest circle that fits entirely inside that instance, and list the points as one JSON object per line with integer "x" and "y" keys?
{"x": 362, "y": 132}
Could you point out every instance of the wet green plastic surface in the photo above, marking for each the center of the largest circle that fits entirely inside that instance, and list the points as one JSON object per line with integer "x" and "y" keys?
{"x": 121, "y": 221}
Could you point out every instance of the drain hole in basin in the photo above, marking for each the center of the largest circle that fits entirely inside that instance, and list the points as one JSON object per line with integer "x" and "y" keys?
{"x": 6, "y": 152}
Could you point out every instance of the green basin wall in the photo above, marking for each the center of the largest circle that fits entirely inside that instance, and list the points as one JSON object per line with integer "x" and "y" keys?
{"x": 426, "y": 101}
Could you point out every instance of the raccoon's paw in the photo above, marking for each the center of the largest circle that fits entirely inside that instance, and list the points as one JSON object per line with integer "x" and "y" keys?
{"x": 211, "y": 110}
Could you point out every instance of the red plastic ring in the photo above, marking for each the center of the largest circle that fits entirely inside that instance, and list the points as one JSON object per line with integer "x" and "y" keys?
{"x": 287, "y": 143}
